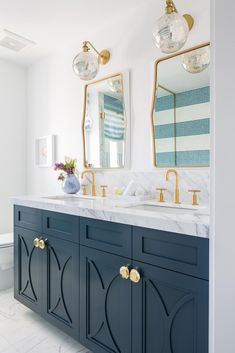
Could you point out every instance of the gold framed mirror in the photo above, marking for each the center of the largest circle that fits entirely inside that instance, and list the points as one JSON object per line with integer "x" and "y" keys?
{"x": 104, "y": 125}
{"x": 180, "y": 114}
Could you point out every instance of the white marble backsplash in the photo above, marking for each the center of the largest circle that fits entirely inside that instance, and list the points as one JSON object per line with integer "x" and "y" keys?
{"x": 188, "y": 179}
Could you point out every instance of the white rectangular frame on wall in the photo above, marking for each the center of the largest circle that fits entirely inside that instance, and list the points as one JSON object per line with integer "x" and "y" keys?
{"x": 127, "y": 102}
{"x": 45, "y": 151}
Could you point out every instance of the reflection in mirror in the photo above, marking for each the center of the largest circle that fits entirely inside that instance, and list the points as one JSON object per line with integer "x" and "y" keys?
{"x": 181, "y": 109}
{"x": 104, "y": 124}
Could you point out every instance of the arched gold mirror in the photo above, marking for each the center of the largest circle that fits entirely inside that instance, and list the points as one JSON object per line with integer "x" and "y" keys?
{"x": 180, "y": 114}
{"x": 104, "y": 127}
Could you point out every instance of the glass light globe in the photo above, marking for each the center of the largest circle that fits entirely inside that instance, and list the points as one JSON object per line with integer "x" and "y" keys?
{"x": 115, "y": 85}
{"x": 86, "y": 65}
{"x": 197, "y": 60}
{"x": 171, "y": 32}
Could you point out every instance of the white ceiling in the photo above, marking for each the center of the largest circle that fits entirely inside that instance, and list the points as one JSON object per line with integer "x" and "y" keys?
{"x": 54, "y": 24}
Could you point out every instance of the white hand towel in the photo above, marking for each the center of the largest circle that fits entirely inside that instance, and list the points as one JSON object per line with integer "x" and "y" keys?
{"x": 130, "y": 189}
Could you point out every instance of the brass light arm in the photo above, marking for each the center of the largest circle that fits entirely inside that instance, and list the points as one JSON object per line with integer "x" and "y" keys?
{"x": 170, "y": 8}
{"x": 103, "y": 56}
{"x": 86, "y": 45}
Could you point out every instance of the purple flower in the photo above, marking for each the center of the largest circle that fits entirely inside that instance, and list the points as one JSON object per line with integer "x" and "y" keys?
{"x": 59, "y": 166}
{"x": 70, "y": 170}
{"x": 67, "y": 168}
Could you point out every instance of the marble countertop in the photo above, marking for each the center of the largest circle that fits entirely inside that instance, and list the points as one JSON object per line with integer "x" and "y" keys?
{"x": 191, "y": 222}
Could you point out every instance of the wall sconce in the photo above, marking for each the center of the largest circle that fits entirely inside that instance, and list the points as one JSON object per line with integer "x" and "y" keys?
{"x": 86, "y": 64}
{"x": 172, "y": 29}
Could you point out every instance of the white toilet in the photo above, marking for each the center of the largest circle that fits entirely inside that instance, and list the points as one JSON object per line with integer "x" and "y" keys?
{"x": 6, "y": 261}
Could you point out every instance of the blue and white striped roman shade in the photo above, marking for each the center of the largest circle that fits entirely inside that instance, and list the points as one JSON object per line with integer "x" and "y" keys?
{"x": 114, "y": 122}
{"x": 186, "y": 142}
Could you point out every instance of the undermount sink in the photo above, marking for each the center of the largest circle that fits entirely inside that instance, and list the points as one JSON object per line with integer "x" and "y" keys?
{"x": 73, "y": 198}
{"x": 153, "y": 206}
{"x": 161, "y": 209}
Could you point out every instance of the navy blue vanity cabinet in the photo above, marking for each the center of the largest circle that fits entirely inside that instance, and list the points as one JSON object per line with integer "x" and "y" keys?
{"x": 170, "y": 312}
{"x": 105, "y": 317}
{"x": 28, "y": 269}
{"x": 71, "y": 278}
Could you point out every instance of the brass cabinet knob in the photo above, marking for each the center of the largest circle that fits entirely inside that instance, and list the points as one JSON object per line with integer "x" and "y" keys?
{"x": 42, "y": 244}
{"x": 161, "y": 196}
{"x": 194, "y": 200}
{"x": 124, "y": 272}
{"x": 135, "y": 276}
{"x": 36, "y": 242}
{"x": 103, "y": 190}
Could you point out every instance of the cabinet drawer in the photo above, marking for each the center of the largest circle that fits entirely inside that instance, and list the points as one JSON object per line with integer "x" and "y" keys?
{"x": 107, "y": 236}
{"x": 27, "y": 217}
{"x": 61, "y": 225}
{"x": 180, "y": 253}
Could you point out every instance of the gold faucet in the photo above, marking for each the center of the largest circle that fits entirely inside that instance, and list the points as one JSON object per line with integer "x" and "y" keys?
{"x": 177, "y": 192}
{"x": 93, "y": 192}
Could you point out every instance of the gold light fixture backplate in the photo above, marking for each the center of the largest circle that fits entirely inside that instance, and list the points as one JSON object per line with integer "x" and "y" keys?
{"x": 190, "y": 20}
{"x": 104, "y": 57}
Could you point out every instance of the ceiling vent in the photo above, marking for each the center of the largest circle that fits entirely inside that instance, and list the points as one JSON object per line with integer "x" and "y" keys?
{"x": 13, "y": 41}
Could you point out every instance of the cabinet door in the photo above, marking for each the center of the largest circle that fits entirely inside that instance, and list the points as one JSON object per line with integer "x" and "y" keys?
{"x": 105, "y": 303}
{"x": 28, "y": 269}
{"x": 61, "y": 284}
{"x": 170, "y": 312}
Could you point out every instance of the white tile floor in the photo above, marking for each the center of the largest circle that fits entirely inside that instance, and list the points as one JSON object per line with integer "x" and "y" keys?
{"x": 22, "y": 331}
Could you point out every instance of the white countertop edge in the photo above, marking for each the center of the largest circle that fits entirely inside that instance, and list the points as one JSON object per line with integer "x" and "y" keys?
{"x": 194, "y": 225}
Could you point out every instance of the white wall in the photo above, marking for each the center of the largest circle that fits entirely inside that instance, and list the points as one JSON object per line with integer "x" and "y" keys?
{"x": 223, "y": 171}
{"x": 55, "y": 94}
{"x": 12, "y": 139}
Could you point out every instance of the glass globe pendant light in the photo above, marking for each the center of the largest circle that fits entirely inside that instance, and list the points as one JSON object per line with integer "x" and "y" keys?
{"x": 172, "y": 29}
{"x": 115, "y": 85}
{"x": 197, "y": 60}
{"x": 86, "y": 64}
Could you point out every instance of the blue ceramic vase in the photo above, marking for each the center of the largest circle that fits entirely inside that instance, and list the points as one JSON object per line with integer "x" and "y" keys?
{"x": 71, "y": 184}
